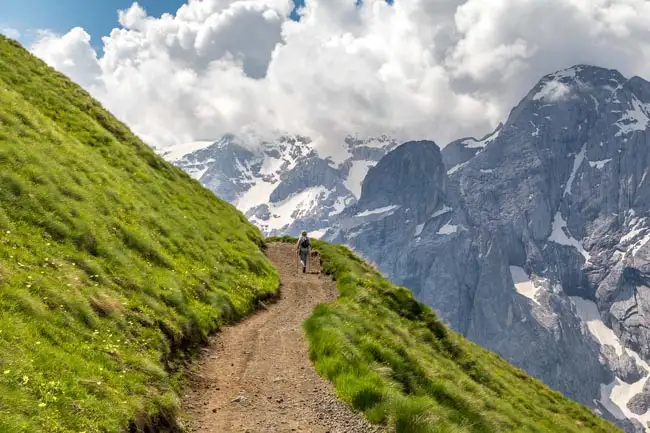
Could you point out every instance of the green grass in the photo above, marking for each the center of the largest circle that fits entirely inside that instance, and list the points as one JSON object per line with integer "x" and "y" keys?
{"x": 391, "y": 358}
{"x": 113, "y": 263}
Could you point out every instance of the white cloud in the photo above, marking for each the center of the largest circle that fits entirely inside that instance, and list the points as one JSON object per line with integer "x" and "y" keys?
{"x": 420, "y": 68}
{"x": 72, "y": 55}
{"x": 10, "y": 32}
{"x": 553, "y": 91}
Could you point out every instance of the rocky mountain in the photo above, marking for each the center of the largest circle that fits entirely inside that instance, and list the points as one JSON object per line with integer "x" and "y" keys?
{"x": 534, "y": 240}
{"x": 282, "y": 185}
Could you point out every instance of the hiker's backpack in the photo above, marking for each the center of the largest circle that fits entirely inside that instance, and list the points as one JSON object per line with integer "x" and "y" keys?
{"x": 304, "y": 243}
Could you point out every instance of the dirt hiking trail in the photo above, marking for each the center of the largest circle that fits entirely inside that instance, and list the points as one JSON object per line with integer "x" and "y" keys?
{"x": 256, "y": 376}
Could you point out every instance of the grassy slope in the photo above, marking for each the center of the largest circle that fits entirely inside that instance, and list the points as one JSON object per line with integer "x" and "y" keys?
{"x": 110, "y": 260}
{"x": 391, "y": 358}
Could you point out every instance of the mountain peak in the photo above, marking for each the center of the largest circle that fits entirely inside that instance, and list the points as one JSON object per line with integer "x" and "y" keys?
{"x": 408, "y": 174}
{"x": 585, "y": 72}
{"x": 559, "y": 84}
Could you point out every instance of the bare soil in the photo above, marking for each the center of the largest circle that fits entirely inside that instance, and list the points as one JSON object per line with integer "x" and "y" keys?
{"x": 256, "y": 376}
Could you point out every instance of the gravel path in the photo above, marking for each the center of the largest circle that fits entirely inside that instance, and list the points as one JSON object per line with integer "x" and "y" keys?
{"x": 257, "y": 377}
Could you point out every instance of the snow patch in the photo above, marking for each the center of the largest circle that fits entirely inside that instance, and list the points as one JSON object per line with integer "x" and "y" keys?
{"x": 448, "y": 229}
{"x": 632, "y": 234}
{"x": 271, "y": 166}
{"x": 559, "y": 236}
{"x": 338, "y": 206}
{"x": 577, "y": 162}
{"x": 457, "y": 167}
{"x": 291, "y": 150}
{"x": 356, "y": 176}
{"x": 379, "y": 210}
{"x": 636, "y": 238}
{"x": 473, "y": 143}
{"x": 589, "y": 314}
{"x": 635, "y": 119}
{"x": 354, "y": 233}
{"x": 179, "y": 151}
{"x": 523, "y": 284}
{"x": 599, "y": 164}
{"x": 317, "y": 234}
{"x": 257, "y": 194}
{"x": 613, "y": 396}
{"x": 442, "y": 211}
{"x": 293, "y": 207}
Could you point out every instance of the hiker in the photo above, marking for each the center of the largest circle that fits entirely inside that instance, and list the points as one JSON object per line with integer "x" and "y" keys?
{"x": 302, "y": 249}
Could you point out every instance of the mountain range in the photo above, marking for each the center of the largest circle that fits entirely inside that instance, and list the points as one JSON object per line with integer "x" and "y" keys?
{"x": 283, "y": 185}
{"x": 532, "y": 241}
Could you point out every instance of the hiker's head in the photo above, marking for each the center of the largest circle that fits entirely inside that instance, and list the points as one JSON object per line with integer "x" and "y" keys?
{"x": 304, "y": 233}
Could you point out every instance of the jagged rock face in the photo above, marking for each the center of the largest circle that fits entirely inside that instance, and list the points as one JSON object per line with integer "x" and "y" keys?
{"x": 282, "y": 186}
{"x": 539, "y": 247}
{"x": 457, "y": 153}
{"x": 405, "y": 178}
{"x": 312, "y": 173}
{"x": 229, "y": 175}
{"x": 623, "y": 366}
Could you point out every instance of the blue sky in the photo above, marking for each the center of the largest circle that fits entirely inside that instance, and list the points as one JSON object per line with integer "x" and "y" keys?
{"x": 97, "y": 17}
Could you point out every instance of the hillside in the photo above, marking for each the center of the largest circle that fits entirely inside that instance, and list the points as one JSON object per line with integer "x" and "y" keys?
{"x": 111, "y": 261}
{"x": 390, "y": 357}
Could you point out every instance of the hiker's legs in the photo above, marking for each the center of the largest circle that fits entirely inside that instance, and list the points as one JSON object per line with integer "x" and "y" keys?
{"x": 304, "y": 254}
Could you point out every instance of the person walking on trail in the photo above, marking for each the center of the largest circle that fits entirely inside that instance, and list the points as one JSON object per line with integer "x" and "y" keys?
{"x": 302, "y": 249}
